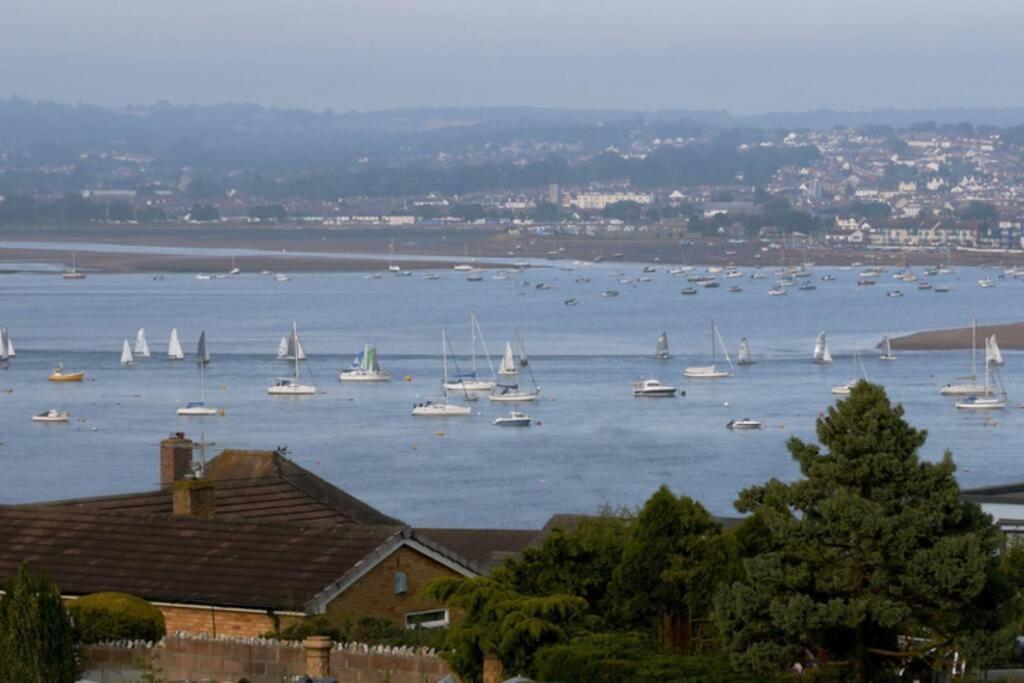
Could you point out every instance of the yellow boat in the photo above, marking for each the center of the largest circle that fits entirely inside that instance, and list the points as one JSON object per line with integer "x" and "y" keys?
{"x": 58, "y": 375}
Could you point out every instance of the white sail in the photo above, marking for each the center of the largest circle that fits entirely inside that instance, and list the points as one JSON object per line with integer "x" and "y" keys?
{"x": 826, "y": 357}
{"x": 743, "y": 357}
{"x": 661, "y": 352}
{"x": 508, "y": 361}
{"x": 819, "y": 348}
{"x": 126, "y": 353}
{"x": 202, "y": 355}
{"x": 288, "y": 346}
{"x": 282, "y": 348}
{"x": 523, "y": 360}
{"x": 174, "y": 351}
{"x": 9, "y": 346}
{"x": 993, "y": 356}
{"x": 141, "y": 345}
{"x": 3, "y": 344}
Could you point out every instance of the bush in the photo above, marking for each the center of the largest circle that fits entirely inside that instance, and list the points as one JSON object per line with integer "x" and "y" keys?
{"x": 369, "y": 630}
{"x": 102, "y": 617}
{"x": 36, "y": 637}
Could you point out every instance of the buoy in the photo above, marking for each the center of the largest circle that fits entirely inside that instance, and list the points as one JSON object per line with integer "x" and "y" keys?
{"x": 221, "y": 412}
{"x": 726, "y": 404}
{"x": 440, "y": 433}
{"x": 408, "y": 378}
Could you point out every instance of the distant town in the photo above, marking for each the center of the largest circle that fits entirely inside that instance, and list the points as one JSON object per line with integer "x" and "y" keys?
{"x": 948, "y": 186}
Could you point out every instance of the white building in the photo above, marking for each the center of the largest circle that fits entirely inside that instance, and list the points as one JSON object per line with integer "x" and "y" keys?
{"x": 596, "y": 201}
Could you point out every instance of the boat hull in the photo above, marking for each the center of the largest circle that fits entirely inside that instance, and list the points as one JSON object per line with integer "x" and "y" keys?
{"x": 664, "y": 392}
{"x": 292, "y": 391}
{"x": 964, "y": 390}
{"x": 360, "y": 376}
{"x": 982, "y": 404}
{"x": 515, "y": 397}
{"x": 441, "y": 410}
{"x": 704, "y": 373}
{"x": 472, "y": 385}
{"x": 67, "y": 377}
{"x": 513, "y": 422}
{"x": 197, "y": 411}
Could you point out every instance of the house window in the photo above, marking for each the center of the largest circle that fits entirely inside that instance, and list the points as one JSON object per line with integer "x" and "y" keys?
{"x": 401, "y": 583}
{"x": 435, "y": 618}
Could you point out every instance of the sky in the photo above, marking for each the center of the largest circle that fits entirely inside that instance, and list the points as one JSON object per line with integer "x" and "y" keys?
{"x": 743, "y": 56}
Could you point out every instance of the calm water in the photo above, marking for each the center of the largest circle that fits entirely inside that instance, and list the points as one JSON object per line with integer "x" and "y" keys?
{"x": 593, "y": 443}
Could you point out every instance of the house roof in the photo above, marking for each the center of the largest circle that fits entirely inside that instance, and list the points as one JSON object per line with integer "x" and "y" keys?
{"x": 1003, "y": 493}
{"x": 164, "y": 558}
{"x": 251, "y": 485}
{"x": 485, "y": 548}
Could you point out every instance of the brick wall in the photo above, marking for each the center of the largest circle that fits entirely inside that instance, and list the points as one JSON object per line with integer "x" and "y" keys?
{"x": 374, "y": 593}
{"x": 220, "y": 622}
{"x": 182, "y": 657}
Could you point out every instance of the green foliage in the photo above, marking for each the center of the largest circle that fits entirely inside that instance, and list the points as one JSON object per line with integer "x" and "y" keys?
{"x": 665, "y": 559}
{"x": 102, "y": 617}
{"x": 369, "y": 630}
{"x": 870, "y": 547}
{"x": 36, "y": 636}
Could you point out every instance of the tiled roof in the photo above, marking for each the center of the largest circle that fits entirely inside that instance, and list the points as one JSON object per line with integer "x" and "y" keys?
{"x": 485, "y": 548}
{"x": 252, "y": 485}
{"x": 165, "y": 558}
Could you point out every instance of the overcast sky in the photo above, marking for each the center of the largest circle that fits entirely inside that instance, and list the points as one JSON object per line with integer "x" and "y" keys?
{"x": 745, "y": 56}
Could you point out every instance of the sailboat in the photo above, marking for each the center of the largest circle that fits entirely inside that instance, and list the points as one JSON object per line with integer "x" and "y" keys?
{"x": 887, "y": 349}
{"x": 743, "y": 357}
{"x": 365, "y": 368}
{"x": 992, "y": 352}
{"x": 968, "y": 386}
{"x": 711, "y": 371}
{"x": 235, "y": 270}
{"x": 4, "y": 356}
{"x": 74, "y": 273}
{"x": 521, "y": 347}
{"x": 126, "y": 354}
{"x": 442, "y": 408}
{"x": 661, "y": 351}
{"x": 174, "y": 351}
{"x": 8, "y": 345}
{"x": 290, "y": 348}
{"x": 989, "y": 401}
{"x": 507, "y": 389}
{"x": 141, "y": 345}
{"x": 290, "y": 386}
{"x": 822, "y": 353}
{"x": 198, "y": 408}
{"x": 845, "y": 389}
{"x": 469, "y": 381}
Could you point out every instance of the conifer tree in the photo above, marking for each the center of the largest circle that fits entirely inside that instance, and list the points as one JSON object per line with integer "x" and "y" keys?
{"x": 37, "y": 643}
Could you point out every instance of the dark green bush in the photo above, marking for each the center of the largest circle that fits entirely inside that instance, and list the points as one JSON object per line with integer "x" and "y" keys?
{"x": 102, "y": 617}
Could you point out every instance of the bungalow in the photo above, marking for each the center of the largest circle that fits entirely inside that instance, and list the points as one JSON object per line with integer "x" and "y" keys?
{"x": 252, "y": 545}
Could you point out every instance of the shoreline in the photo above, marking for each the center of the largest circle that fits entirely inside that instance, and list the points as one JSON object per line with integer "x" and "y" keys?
{"x": 1009, "y": 336}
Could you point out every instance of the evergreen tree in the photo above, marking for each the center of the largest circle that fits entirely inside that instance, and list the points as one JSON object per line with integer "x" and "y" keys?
{"x": 37, "y": 643}
{"x": 873, "y": 563}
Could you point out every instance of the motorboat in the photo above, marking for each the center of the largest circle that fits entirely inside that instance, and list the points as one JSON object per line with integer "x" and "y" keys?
{"x": 941, "y": 289}
{"x": 59, "y": 375}
{"x": 652, "y": 388}
{"x": 513, "y": 419}
{"x": 745, "y": 423}
{"x": 203, "y": 276}
{"x": 807, "y": 286}
{"x": 687, "y": 291}
{"x": 571, "y": 301}
{"x": 986, "y": 282}
{"x": 52, "y": 415}
{"x": 865, "y": 282}
{"x": 609, "y": 293}
{"x": 777, "y": 291}
{"x": 281, "y": 277}
{"x": 895, "y": 293}
{"x": 735, "y": 289}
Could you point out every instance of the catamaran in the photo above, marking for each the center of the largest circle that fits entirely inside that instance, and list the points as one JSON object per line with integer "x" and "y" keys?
{"x": 290, "y": 386}
{"x": 661, "y": 351}
{"x": 469, "y": 381}
{"x": 711, "y": 371}
{"x": 887, "y": 349}
{"x": 290, "y": 348}
{"x": 743, "y": 357}
{"x": 992, "y": 353}
{"x": 126, "y": 354}
{"x": 199, "y": 408}
{"x": 174, "y": 351}
{"x": 74, "y": 273}
{"x": 989, "y": 401}
{"x": 441, "y": 408}
{"x": 968, "y": 386}
{"x": 141, "y": 345}
{"x": 822, "y": 353}
{"x": 365, "y": 368}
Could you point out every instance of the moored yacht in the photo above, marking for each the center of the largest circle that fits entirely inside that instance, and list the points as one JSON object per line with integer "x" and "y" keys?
{"x": 652, "y": 388}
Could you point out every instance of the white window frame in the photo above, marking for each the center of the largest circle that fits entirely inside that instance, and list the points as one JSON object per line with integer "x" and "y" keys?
{"x": 435, "y": 623}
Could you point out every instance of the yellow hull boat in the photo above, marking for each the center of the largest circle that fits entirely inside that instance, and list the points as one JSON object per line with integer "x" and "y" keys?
{"x": 59, "y": 376}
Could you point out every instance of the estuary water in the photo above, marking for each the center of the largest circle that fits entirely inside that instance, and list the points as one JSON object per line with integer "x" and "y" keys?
{"x": 592, "y": 443}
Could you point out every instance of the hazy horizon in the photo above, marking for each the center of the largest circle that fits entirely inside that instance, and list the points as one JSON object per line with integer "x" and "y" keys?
{"x": 741, "y": 56}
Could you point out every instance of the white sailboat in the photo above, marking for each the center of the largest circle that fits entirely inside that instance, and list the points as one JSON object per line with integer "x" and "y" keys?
{"x": 141, "y": 345}
{"x": 968, "y": 386}
{"x": 290, "y": 386}
{"x": 989, "y": 401}
{"x": 845, "y": 389}
{"x": 887, "y": 349}
{"x": 365, "y": 368}
{"x": 507, "y": 389}
{"x": 743, "y": 357}
{"x": 290, "y": 348}
{"x": 174, "y": 351}
{"x": 470, "y": 381}
{"x": 661, "y": 351}
{"x": 442, "y": 408}
{"x": 822, "y": 353}
{"x": 74, "y": 273}
{"x": 126, "y": 354}
{"x": 992, "y": 353}
{"x": 711, "y": 371}
{"x": 8, "y": 345}
{"x": 198, "y": 408}
{"x": 4, "y": 356}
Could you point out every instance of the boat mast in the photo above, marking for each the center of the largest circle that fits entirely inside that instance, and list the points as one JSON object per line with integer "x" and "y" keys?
{"x": 974, "y": 348}
{"x": 712, "y": 342}
{"x": 295, "y": 347}
{"x": 472, "y": 338}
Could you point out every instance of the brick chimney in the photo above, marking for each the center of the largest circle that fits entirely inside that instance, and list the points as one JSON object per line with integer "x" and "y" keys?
{"x": 194, "y": 498}
{"x": 175, "y": 459}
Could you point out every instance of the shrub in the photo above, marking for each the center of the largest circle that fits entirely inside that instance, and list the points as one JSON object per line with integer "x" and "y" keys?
{"x": 36, "y": 637}
{"x": 102, "y": 617}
